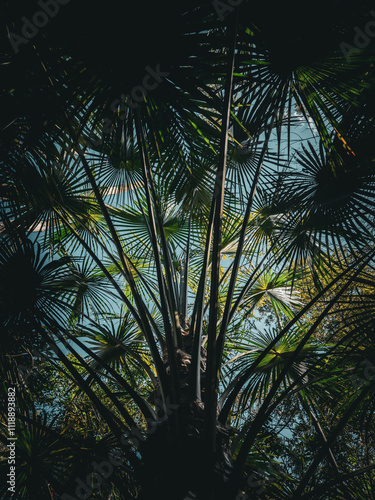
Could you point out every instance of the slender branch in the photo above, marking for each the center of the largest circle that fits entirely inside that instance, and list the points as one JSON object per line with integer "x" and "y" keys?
{"x": 108, "y": 275}
{"x": 340, "y": 479}
{"x": 319, "y": 430}
{"x": 168, "y": 267}
{"x": 240, "y": 246}
{"x": 170, "y": 338}
{"x": 211, "y": 372}
{"x": 259, "y": 419}
{"x": 108, "y": 220}
{"x": 331, "y": 439}
{"x": 129, "y": 277}
{"x": 184, "y": 279}
{"x": 145, "y": 327}
{"x": 197, "y": 319}
{"x": 106, "y": 414}
{"x": 244, "y": 378}
{"x": 139, "y": 401}
{"x": 125, "y": 414}
{"x": 251, "y": 280}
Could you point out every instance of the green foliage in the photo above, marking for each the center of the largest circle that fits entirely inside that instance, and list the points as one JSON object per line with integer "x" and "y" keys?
{"x": 187, "y": 272}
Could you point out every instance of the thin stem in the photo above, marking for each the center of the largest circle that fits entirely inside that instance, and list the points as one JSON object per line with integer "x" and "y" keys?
{"x": 240, "y": 246}
{"x": 140, "y": 319}
{"x": 140, "y": 402}
{"x": 259, "y": 419}
{"x": 240, "y": 381}
{"x": 197, "y": 320}
{"x": 331, "y": 439}
{"x": 218, "y": 204}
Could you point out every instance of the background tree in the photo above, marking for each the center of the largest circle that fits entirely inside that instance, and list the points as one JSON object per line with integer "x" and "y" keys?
{"x": 163, "y": 184}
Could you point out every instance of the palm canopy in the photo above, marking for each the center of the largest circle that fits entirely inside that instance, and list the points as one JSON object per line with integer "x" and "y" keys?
{"x": 148, "y": 237}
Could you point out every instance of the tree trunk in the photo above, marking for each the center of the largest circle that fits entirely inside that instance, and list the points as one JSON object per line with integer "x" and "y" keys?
{"x": 177, "y": 467}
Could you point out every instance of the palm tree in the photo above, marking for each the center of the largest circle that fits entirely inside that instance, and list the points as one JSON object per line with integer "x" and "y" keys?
{"x": 144, "y": 231}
